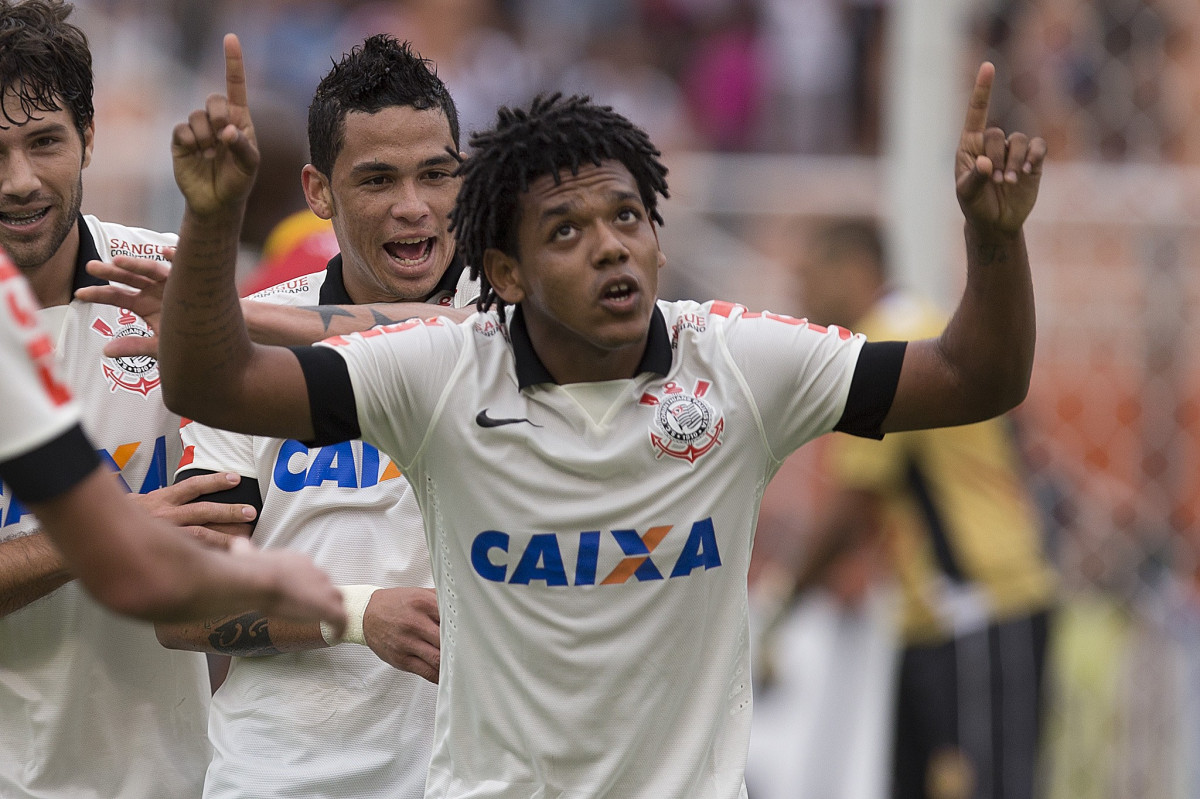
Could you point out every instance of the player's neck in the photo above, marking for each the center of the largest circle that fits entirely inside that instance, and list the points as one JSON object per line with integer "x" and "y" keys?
{"x": 53, "y": 281}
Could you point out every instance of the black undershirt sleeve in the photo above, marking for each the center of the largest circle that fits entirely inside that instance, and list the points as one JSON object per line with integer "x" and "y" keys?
{"x": 52, "y": 469}
{"x": 330, "y": 396}
{"x": 246, "y": 492}
{"x": 872, "y": 388}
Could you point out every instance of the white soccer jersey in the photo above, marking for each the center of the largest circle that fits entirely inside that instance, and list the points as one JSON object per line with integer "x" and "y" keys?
{"x": 336, "y": 722}
{"x": 37, "y": 405}
{"x": 90, "y": 704}
{"x": 593, "y": 591}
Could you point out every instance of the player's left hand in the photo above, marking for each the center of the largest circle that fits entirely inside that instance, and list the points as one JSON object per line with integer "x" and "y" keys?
{"x": 997, "y": 175}
{"x": 143, "y": 282}
{"x": 401, "y": 626}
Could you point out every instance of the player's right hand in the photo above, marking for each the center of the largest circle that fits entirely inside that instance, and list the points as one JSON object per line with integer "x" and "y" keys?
{"x": 174, "y": 503}
{"x": 142, "y": 281}
{"x": 401, "y": 626}
{"x": 215, "y": 153}
{"x": 296, "y": 589}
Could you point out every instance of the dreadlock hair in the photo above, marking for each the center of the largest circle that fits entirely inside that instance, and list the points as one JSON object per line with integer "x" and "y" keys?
{"x": 45, "y": 63}
{"x": 553, "y": 135}
{"x": 380, "y": 73}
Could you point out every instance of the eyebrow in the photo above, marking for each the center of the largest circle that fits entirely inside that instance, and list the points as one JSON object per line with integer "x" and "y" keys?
{"x": 565, "y": 208}
{"x": 42, "y": 128}
{"x": 384, "y": 166}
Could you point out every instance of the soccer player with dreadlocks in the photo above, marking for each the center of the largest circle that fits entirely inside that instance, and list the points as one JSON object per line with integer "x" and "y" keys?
{"x": 593, "y": 604}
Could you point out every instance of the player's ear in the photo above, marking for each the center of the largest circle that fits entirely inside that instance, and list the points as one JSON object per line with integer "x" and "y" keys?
{"x": 316, "y": 191}
{"x": 89, "y": 139}
{"x": 662, "y": 256}
{"x": 504, "y": 273}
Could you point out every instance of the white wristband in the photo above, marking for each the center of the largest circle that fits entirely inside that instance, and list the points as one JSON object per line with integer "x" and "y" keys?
{"x": 354, "y": 600}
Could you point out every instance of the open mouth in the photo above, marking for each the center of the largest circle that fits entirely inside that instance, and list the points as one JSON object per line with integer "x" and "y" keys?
{"x": 25, "y": 218}
{"x": 621, "y": 290}
{"x": 409, "y": 252}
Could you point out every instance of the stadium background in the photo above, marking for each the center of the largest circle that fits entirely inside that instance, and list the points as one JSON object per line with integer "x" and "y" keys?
{"x": 775, "y": 114}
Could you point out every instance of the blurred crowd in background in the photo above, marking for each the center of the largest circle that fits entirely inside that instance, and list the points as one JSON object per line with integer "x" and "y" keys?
{"x": 758, "y": 91}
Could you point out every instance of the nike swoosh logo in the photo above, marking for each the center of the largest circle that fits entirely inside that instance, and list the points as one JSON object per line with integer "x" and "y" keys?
{"x": 483, "y": 420}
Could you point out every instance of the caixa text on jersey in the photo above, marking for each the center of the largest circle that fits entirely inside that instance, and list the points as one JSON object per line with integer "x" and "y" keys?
{"x": 637, "y": 556}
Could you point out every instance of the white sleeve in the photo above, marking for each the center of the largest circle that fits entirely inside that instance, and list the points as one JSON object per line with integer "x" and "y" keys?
{"x": 798, "y": 375}
{"x": 214, "y": 450}
{"x": 35, "y": 404}
{"x": 398, "y": 374}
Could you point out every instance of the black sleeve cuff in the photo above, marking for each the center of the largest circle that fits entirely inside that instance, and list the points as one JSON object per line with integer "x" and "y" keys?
{"x": 246, "y": 492}
{"x": 872, "y": 388}
{"x": 52, "y": 469}
{"x": 330, "y": 396}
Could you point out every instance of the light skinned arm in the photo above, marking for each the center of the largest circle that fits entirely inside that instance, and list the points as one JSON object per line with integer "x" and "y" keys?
{"x": 400, "y": 626}
{"x": 980, "y": 365}
{"x": 32, "y": 566}
{"x": 142, "y": 567}
{"x": 144, "y": 279}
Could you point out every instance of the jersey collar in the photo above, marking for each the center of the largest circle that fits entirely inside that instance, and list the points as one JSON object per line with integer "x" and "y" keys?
{"x": 333, "y": 290}
{"x": 87, "y": 252}
{"x": 531, "y": 371}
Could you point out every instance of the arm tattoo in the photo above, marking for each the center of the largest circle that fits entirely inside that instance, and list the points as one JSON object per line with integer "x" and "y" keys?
{"x": 992, "y": 254}
{"x": 383, "y": 319}
{"x": 327, "y": 312}
{"x": 246, "y": 636}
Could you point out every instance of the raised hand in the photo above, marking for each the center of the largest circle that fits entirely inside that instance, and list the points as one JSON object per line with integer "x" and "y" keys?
{"x": 997, "y": 175}
{"x": 142, "y": 293}
{"x": 215, "y": 153}
{"x": 401, "y": 627}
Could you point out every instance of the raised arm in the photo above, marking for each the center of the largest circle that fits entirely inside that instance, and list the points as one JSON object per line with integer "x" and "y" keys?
{"x": 980, "y": 366}
{"x": 211, "y": 371}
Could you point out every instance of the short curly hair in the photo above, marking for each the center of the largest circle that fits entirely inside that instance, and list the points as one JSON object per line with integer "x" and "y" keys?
{"x": 380, "y": 73}
{"x": 552, "y": 135}
{"x": 45, "y": 62}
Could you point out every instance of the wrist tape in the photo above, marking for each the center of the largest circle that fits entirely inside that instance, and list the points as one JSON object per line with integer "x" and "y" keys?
{"x": 354, "y": 600}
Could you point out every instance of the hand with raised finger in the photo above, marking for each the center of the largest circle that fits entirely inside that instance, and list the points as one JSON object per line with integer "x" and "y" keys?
{"x": 401, "y": 627}
{"x": 997, "y": 175}
{"x": 215, "y": 153}
{"x": 174, "y": 503}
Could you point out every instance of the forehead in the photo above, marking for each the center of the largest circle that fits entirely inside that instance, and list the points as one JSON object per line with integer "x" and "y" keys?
{"x": 397, "y": 135}
{"x": 18, "y": 113}
{"x": 593, "y": 185}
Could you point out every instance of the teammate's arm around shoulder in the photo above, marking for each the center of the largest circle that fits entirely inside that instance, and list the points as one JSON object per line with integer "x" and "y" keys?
{"x": 294, "y": 326}
{"x": 980, "y": 366}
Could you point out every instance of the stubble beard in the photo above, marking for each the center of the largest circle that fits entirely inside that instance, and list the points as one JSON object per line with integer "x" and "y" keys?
{"x": 32, "y": 255}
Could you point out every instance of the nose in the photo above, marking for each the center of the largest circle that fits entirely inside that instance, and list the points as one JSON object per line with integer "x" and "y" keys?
{"x": 408, "y": 204}
{"x": 610, "y": 247}
{"x": 19, "y": 178}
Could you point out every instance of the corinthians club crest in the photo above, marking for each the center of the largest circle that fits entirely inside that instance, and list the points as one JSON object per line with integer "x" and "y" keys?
{"x": 137, "y": 373}
{"x": 685, "y": 425}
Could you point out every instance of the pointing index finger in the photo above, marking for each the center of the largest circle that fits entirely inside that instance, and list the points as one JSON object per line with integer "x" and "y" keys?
{"x": 235, "y": 72}
{"x": 977, "y": 108}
